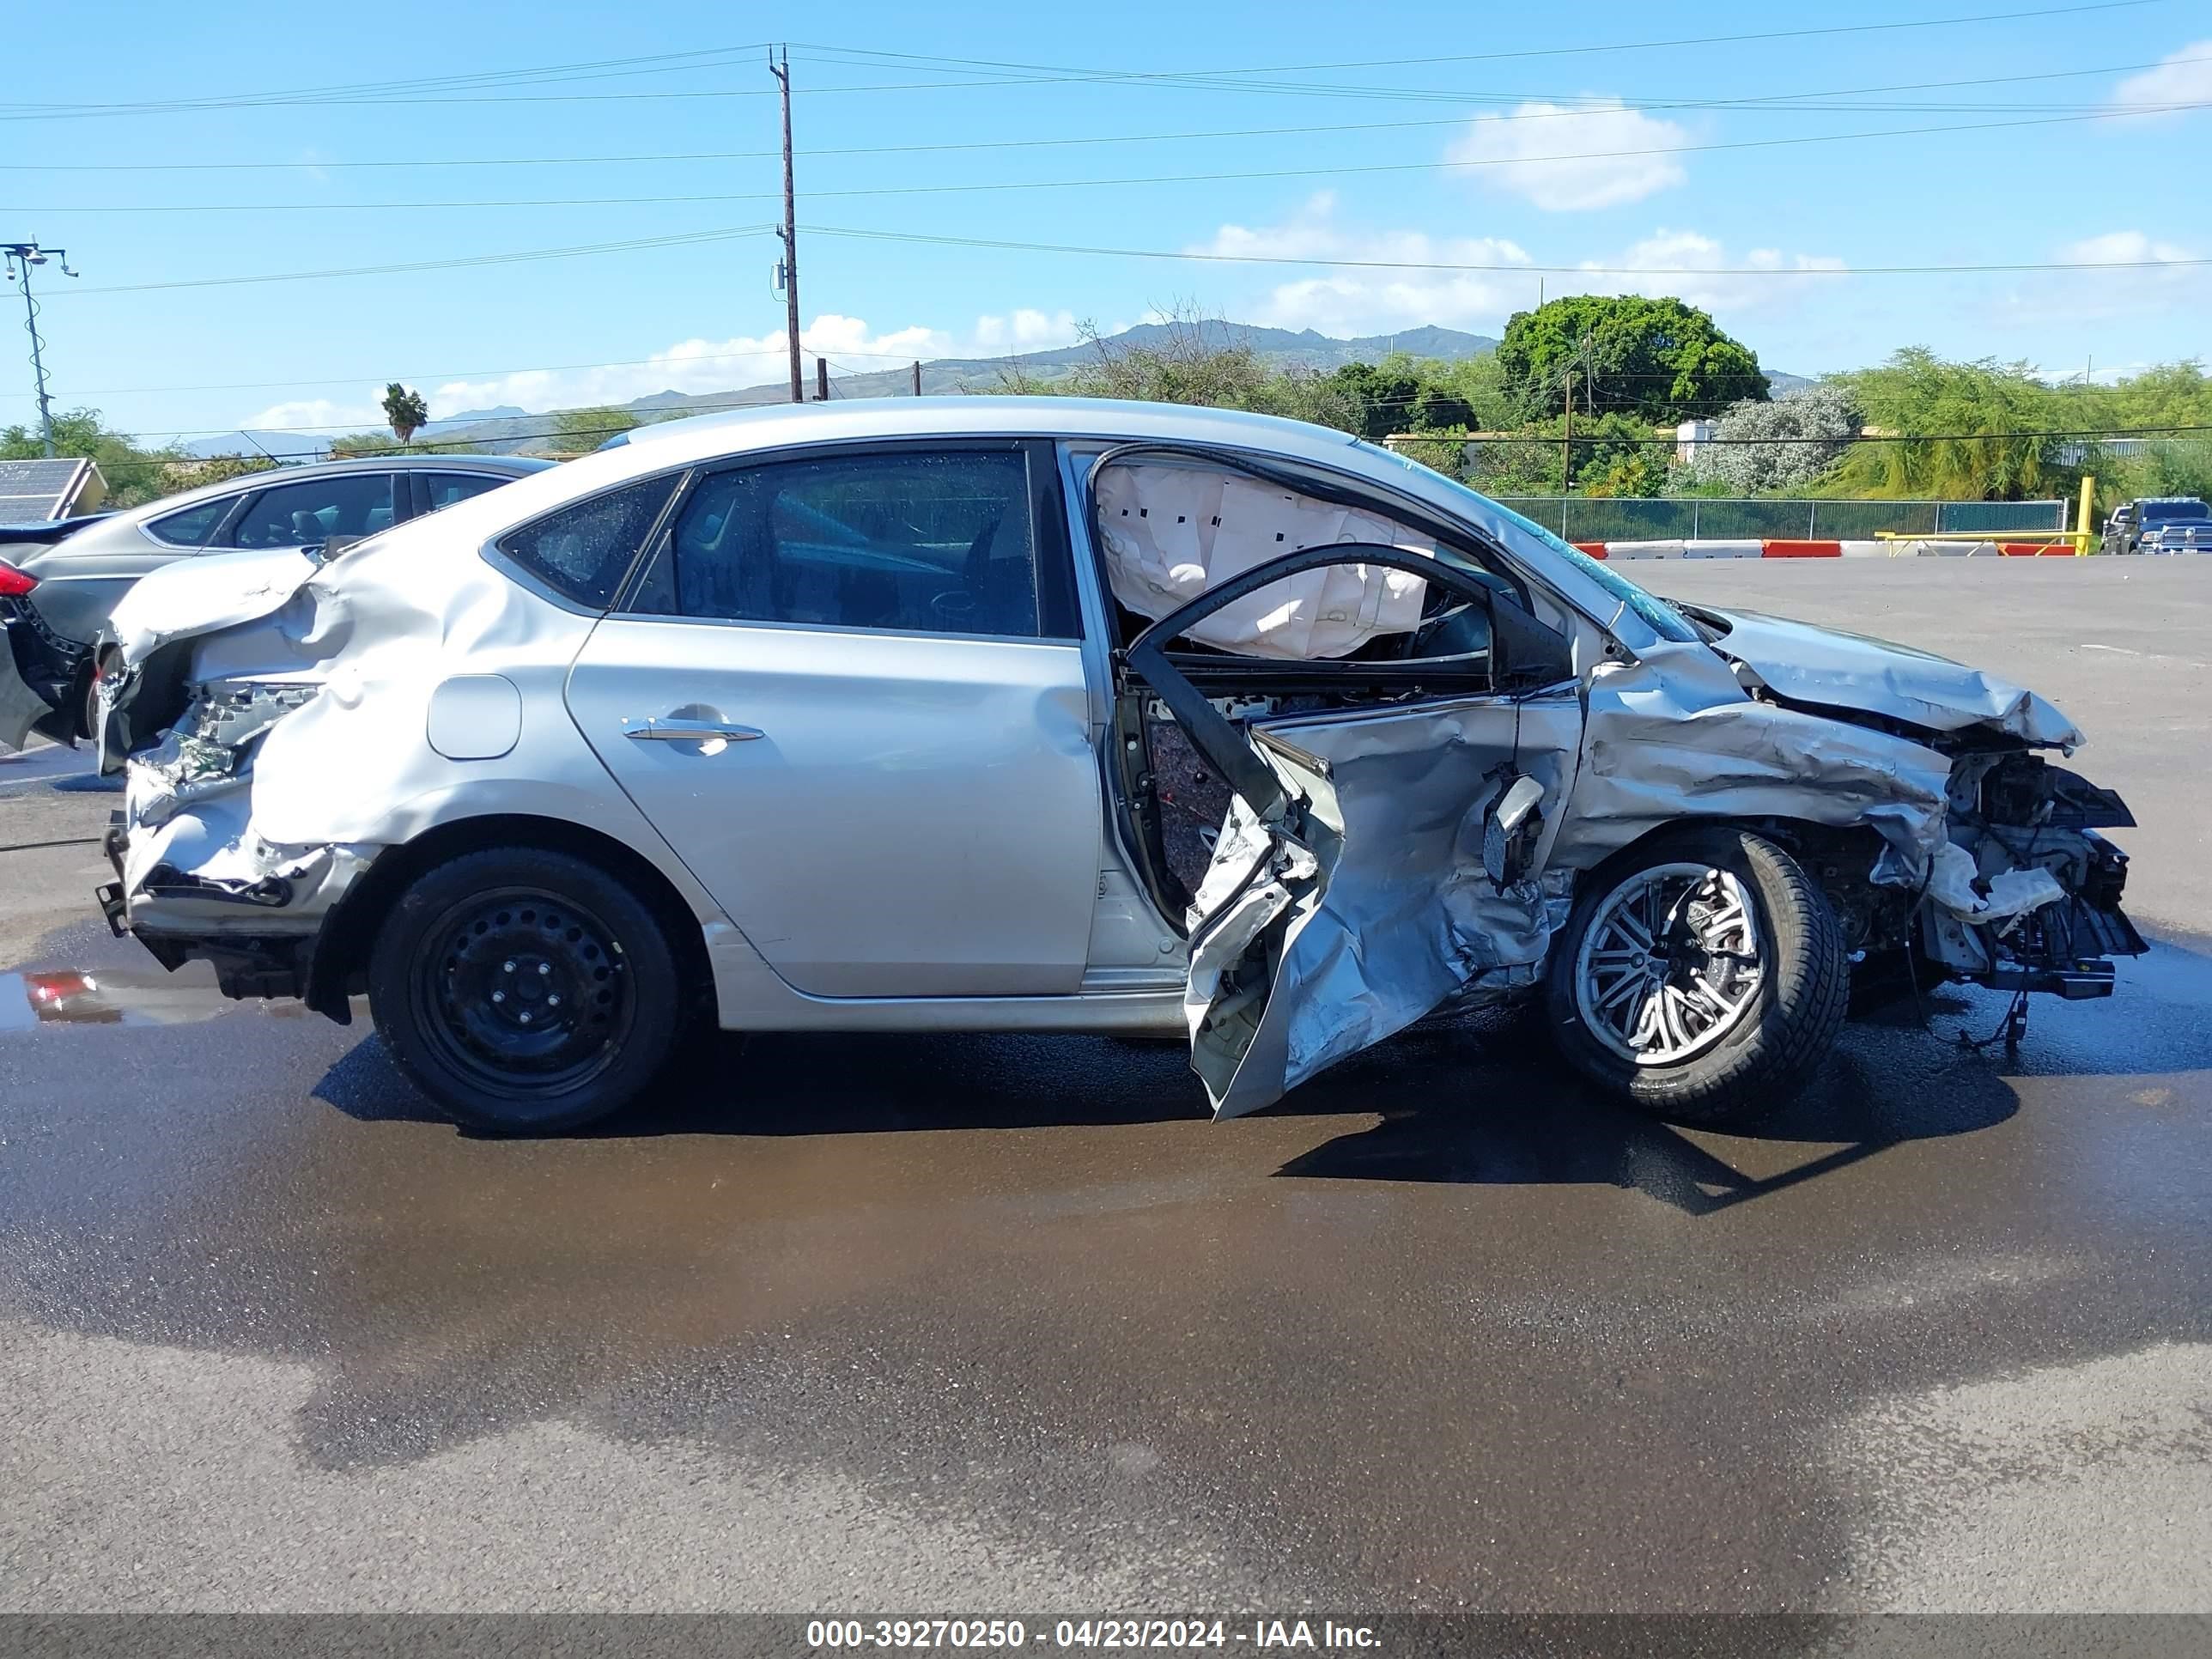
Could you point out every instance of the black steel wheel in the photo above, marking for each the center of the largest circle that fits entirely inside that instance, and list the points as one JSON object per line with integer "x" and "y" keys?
{"x": 526, "y": 991}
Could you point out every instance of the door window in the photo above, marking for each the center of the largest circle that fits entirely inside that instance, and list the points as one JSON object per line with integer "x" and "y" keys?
{"x": 193, "y": 527}
{"x": 939, "y": 542}
{"x": 444, "y": 489}
{"x": 302, "y": 514}
{"x": 585, "y": 549}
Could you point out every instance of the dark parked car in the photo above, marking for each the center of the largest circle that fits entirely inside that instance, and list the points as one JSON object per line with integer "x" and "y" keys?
{"x": 2159, "y": 524}
{"x": 55, "y": 597}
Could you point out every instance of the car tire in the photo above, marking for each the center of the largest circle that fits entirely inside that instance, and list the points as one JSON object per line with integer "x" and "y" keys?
{"x": 1736, "y": 1000}
{"x": 526, "y": 991}
{"x": 87, "y": 701}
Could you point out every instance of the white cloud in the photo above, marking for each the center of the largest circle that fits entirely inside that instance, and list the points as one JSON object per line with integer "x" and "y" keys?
{"x": 316, "y": 412}
{"x": 2183, "y": 77}
{"x": 1567, "y": 158}
{"x": 1681, "y": 263}
{"x": 1358, "y": 302}
{"x": 2077, "y": 296}
{"x": 1361, "y": 302}
{"x": 699, "y": 365}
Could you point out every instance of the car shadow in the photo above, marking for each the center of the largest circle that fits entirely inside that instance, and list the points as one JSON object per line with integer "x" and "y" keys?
{"x": 1475, "y": 1101}
{"x": 1556, "y": 1131}
{"x": 825, "y": 1084}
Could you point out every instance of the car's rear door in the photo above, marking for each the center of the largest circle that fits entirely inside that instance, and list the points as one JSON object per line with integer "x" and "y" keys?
{"x": 847, "y": 687}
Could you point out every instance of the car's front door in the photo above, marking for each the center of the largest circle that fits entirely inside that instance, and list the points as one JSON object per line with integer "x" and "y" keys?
{"x": 847, "y": 687}
{"x": 1388, "y": 829}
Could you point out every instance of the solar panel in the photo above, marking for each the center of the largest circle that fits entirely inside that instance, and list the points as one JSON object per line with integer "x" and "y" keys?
{"x": 32, "y": 490}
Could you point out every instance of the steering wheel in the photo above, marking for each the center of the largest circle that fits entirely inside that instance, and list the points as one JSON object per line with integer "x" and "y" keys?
{"x": 955, "y": 607}
{"x": 1435, "y": 628}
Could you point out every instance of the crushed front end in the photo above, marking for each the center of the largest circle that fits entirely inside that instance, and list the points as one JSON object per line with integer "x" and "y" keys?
{"x": 2026, "y": 897}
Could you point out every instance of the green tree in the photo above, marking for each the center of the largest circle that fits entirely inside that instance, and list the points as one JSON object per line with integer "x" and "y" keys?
{"x": 133, "y": 474}
{"x": 1380, "y": 397}
{"x": 1191, "y": 364}
{"x": 355, "y": 445}
{"x": 577, "y": 430}
{"x": 1658, "y": 360}
{"x": 406, "y": 411}
{"x": 1977, "y": 429}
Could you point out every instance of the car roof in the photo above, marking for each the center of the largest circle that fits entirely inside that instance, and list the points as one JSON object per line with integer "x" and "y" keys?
{"x": 515, "y": 467}
{"x": 773, "y": 425}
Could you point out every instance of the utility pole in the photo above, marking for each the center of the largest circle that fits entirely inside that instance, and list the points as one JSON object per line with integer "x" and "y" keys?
{"x": 1567, "y": 439}
{"x": 917, "y": 377}
{"x": 20, "y": 257}
{"x": 821, "y": 380}
{"x": 790, "y": 232}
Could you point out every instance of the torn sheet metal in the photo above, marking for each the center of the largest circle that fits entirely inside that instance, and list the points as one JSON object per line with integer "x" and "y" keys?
{"x": 1822, "y": 666}
{"x": 1368, "y": 906}
{"x": 1172, "y": 530}
{"x": 196, "y": 596}
{"x": 1673, "y": 738}
{"x": 204, "y": 870}
{"x": 296, "y": 700}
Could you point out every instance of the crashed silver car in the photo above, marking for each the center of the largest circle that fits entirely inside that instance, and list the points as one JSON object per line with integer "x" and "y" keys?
{"x": 998, "y": 714}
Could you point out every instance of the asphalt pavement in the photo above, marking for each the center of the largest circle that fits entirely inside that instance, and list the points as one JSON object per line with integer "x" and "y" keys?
{"x": 1005, "y": 1323}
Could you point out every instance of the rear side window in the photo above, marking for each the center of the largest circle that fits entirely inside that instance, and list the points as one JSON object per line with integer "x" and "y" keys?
{"x": 584, "y": 550}
{"x": 193, "y": 527}
{"x": 444, "y": 489}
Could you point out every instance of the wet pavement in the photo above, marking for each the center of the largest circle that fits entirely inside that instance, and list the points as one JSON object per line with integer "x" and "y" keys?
{"x": 1005, "y": 1323}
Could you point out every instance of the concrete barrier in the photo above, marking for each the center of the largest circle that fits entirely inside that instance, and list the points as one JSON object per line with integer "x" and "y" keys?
{"x": 1823, "y": 550}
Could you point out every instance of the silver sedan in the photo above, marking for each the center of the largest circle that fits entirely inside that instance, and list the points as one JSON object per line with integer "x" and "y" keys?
{"x": 1000, "y": 714}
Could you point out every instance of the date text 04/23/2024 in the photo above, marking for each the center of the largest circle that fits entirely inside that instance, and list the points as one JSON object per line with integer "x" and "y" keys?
{"x": 987, "y": 1635}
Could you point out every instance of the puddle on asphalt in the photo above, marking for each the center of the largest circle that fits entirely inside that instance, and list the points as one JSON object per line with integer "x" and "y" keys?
{"x": 71, "y": 996}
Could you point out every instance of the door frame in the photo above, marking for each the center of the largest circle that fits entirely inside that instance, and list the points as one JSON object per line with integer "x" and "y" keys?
{"x": 1059, "y": 616}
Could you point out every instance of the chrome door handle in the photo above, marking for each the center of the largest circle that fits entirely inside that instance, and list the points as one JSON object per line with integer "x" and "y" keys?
{"x": 668, "y": 728}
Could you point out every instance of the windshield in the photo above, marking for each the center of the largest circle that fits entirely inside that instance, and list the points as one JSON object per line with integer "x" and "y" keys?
{"x": 1663, "y": 618}
{"x": 2182, "y": 509}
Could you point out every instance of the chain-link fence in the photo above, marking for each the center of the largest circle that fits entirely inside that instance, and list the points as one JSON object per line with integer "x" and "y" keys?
{"x": 1695, "y": 518}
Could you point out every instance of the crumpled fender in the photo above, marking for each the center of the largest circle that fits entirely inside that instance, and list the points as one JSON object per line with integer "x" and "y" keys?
{"x": 1674, "y": 738}
{"x": 193, "y": 597}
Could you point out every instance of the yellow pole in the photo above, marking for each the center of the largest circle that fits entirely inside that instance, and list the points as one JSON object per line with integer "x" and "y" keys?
{"x": 2082, "y": 524}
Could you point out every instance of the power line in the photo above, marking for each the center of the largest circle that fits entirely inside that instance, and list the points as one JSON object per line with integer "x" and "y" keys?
{"x": 1501, "y": 57}
{"x": 518, "y": 257}
{"x": 1777, "y": 103}
{"x": 594, "y": 69}
{"x": 1098, "y": 184}
{"x": 1530, "y": 269}
{"x": 726, "y": 232}
{"x": 387, "y": 93}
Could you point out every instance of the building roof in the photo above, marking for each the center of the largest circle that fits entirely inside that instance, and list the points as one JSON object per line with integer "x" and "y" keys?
{"x": 31, "y": 492}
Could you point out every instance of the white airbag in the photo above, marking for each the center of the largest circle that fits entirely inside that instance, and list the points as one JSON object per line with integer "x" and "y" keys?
{"x": 1172, "y": 531}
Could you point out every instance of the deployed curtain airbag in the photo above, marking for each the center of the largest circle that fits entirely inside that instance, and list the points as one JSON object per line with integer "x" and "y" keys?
{"x": 1171, "y": 531}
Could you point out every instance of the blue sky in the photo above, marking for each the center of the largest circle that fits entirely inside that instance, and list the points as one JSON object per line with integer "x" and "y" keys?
{"x": 1512, "y": 137}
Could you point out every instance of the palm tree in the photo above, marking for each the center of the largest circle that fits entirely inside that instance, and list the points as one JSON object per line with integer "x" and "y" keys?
{"x": 405, "y": 409}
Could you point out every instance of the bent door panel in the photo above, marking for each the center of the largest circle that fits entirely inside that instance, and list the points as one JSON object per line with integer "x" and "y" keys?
{"x": 1348, "y": 894}
{"x": 919, "y": 817}
{"x": 1385, "y": 908}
